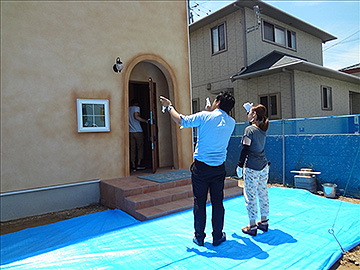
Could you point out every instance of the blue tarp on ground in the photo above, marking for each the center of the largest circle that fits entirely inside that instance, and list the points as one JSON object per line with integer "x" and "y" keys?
{"x": 298, "y": 238}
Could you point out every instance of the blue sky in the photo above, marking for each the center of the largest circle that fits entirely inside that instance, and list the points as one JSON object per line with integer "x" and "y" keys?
{"x": 338, "y": 18}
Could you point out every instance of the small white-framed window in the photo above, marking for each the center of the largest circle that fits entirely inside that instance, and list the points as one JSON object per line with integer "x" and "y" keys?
{"x": 326, "y": 98}
{"x": 218, "y": 38}
{"x": 272, "y": 104}
{"x": 279, "y": 35}
{"x": 93, "y": 115}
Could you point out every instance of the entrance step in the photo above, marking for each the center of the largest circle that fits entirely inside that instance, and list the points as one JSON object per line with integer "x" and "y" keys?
{"x": 144, "y": 199}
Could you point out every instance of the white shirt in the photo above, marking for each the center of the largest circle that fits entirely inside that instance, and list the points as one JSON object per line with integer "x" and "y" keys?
{"x": 134, "y": 125}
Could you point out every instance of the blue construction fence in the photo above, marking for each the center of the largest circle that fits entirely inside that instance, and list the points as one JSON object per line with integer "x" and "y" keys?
{"x": 329, "y": 145}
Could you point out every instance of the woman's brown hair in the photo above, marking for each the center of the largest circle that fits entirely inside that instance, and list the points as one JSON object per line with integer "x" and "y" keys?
{"x": 261, "y": 116}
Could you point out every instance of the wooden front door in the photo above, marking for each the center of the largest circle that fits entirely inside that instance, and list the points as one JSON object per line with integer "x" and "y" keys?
{"x": 153, "y": 126}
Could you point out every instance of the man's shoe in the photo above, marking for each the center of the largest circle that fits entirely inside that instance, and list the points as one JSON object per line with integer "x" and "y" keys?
{"x": 140, "y": 168}
{"x": 219, "y": 241}
{"x": 198, "y": 241}
{"x": 251, "y": 230}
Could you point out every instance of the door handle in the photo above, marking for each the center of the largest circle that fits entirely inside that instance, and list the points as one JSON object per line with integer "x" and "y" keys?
{"x": 151, "y": 118}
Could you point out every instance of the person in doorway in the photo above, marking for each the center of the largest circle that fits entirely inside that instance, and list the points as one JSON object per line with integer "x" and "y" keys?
{"x": 254, "y": 166}
{"x": 208, "y": 169}
{"x": 136, "y": 136}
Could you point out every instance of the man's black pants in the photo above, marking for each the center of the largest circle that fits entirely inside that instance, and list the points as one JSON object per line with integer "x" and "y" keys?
{"x": 204, "y": 178}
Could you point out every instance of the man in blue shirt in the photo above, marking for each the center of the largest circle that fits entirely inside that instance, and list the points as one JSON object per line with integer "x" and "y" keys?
{"x": 208, "y": 169}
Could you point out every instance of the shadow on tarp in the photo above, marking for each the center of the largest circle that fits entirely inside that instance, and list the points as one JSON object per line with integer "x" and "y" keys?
{"x": 34, "y": 241}
{"x": 298, "y": 238}
{"x": 273, "y": 237}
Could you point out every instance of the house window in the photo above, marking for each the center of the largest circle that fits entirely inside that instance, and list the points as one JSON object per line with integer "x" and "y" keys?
{"x": 279, "y": 35}
{"x": 93, "y": 115}
{"x": 291, "y": 39}
{"x": 326, "y": 98}
{"x": 195, "y": 105}
{"x": 218, "y": 38}
{"x": 272, "y": 104}
{"x": 195, "y": 109}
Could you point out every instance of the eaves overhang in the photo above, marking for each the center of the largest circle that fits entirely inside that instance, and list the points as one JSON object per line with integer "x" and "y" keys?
{"x": 301, "y": 65}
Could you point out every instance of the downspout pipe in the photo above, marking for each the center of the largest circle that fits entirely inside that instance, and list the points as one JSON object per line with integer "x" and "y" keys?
{"x": 292, "y": 91}
{"x": 244, "y": 33}
{"x": 244, "y": 38}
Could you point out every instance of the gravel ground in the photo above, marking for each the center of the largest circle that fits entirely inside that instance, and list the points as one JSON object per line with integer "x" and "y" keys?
{"x": 349, "y": 261}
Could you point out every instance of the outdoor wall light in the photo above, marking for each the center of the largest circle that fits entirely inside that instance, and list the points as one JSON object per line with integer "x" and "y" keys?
{"x": 118, "y": 67}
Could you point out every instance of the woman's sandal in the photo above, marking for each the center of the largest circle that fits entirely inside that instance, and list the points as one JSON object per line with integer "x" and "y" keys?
{"x": 263, "y": 225}
{"x": 251, "y": 230}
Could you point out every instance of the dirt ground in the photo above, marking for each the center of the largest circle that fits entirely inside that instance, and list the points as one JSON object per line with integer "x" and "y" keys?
{"x": 349, "y": 261}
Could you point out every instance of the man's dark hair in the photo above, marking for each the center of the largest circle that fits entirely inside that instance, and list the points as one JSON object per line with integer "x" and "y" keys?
{"x": 227, "y": 101}
{"x": 134, "y": 102}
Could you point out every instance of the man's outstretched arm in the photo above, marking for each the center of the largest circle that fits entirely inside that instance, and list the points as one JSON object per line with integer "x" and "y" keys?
{"x": 173, "y": 113}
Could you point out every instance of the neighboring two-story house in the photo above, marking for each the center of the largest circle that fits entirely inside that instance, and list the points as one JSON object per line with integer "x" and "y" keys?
{"x": 264, "y": 55}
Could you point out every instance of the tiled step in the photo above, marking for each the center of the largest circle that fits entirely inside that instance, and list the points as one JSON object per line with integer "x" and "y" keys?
{"x": 155, "y": 211}
{"x": 154, "y": 198}
{"x": 145, "y": 199}
{"x": 114, "y": 191}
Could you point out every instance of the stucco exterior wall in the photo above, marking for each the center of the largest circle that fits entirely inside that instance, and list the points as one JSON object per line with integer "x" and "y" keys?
{"x": 308, "y": 95}
{"x": 56, "y": 52}
{"x": 307, "y": 46}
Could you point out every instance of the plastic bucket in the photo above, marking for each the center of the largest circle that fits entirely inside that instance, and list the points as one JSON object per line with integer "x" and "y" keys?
{"x": 329, "y": 190}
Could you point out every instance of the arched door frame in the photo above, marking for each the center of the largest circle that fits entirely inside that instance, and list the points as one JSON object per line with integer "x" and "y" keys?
{"x": 173, "y": 93}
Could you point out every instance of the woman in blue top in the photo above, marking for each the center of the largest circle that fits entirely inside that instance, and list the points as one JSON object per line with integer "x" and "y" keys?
{"x": 255, "y": 167}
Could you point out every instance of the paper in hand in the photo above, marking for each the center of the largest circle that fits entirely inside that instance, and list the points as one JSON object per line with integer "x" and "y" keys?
{"x": 247, "y": 106}
{"x": 208, "y": 104}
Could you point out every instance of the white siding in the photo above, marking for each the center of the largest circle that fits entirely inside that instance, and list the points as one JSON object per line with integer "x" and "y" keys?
{"x": 308, "y": 95}
{"x": 307, "y": 46}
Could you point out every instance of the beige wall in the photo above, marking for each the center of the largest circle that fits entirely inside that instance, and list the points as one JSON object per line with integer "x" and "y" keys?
{"x": 308, "y": 95}
{"x": 249, "y": 91}
{"x": 308, "y": 46}
{"x": 56, "y": 52}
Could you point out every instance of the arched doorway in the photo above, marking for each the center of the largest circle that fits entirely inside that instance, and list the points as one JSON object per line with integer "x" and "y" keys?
{"x": 147, "y": 80}
{"x": 144, "y": 93}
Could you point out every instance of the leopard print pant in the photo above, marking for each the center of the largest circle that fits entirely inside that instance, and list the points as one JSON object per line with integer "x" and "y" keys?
{"x": 255, "y": 186}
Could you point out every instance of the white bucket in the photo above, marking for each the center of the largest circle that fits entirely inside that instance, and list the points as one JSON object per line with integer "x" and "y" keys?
{"x": 329, "y": 190}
